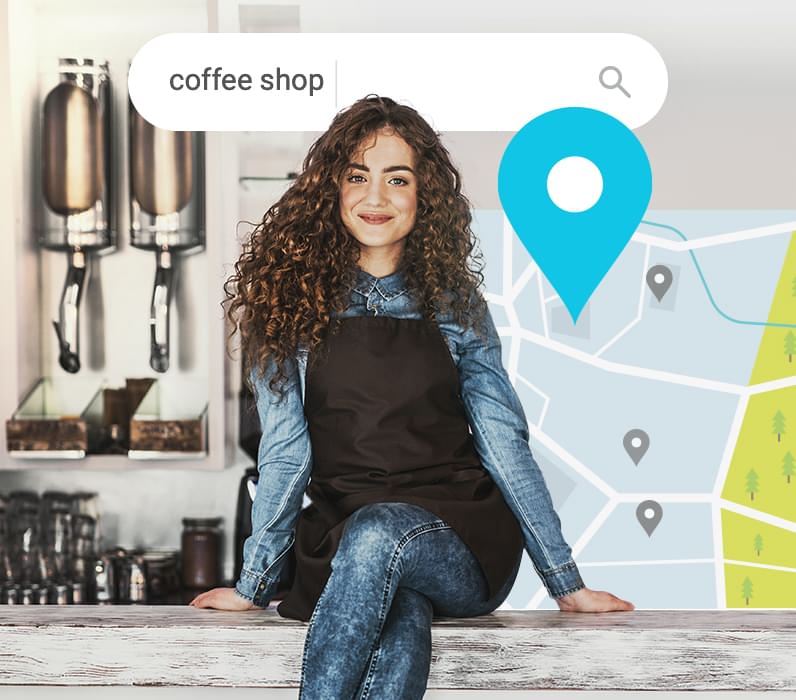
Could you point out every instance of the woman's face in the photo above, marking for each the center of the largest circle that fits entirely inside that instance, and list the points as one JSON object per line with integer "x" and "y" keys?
{"x": 378, "y": 196}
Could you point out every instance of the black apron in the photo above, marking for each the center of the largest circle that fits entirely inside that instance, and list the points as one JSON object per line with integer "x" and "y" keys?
{"x": 387, "y": 423}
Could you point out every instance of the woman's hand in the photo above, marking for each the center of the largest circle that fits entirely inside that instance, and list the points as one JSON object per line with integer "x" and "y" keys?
{"x": 586, "y": 600}
{"x": 222, "y": 599}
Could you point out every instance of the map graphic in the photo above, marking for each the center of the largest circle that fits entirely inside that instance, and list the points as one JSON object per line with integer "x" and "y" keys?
{"x": 665, "y": 420}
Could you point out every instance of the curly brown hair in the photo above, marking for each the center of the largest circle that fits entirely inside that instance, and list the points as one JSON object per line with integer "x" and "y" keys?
{"x": 299, "y": 265}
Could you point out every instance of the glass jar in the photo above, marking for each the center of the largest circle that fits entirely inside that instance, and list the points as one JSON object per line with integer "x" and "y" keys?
{"x": 201, "y": 552}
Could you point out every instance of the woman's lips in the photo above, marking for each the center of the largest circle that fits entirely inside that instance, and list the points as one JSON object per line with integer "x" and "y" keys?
{"x": 375, "y": 218}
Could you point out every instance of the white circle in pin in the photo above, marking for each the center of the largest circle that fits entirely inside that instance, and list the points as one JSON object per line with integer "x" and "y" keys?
{"x": 575, "y": 184}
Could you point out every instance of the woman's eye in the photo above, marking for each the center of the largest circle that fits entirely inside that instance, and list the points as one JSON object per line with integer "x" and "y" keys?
{"x": 355, "y": 178}
{"x": 399, "y": 180}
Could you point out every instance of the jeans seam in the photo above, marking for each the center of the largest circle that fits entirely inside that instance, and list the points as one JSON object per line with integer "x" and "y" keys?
{"x": 306, "y": 641}
{"x": 371, "y": 671}
{"x": 414, "y": 532}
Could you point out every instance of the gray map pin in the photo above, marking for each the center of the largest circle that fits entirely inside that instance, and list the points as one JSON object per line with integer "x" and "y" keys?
{"x": 649, "y": 514}
{"x": 636, "y": 444}
{"x": 659, "y": 279}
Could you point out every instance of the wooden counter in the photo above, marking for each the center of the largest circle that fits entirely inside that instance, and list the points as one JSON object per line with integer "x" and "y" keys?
{"x": 156, "y": 645}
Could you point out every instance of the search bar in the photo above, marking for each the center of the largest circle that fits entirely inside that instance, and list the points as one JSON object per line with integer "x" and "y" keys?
{"x": 459, "y": 82}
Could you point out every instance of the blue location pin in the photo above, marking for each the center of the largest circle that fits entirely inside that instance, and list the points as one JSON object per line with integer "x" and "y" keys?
{"x": 574, "y": 249}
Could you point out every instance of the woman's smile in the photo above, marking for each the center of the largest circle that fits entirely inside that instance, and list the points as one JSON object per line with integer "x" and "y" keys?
{"x": 375, "y": 219}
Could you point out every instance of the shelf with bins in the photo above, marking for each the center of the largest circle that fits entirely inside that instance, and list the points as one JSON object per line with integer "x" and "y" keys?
{"x": 144, "y": 420}
{"x": 114, "y": 323}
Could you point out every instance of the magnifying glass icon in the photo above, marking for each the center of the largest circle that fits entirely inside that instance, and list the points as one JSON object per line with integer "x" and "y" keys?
{"x": 611, "y": 79}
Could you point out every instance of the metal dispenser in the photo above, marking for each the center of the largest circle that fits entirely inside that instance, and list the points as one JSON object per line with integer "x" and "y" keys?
{"x": 167, "y": 212}
{"x": 76, "y": 162}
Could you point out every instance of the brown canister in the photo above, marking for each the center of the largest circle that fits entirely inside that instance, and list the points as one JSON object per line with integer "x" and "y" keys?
{"x": 201, "y": 552}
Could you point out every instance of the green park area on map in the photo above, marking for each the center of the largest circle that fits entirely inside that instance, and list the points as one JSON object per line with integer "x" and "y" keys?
{"x": 762, "y": 473}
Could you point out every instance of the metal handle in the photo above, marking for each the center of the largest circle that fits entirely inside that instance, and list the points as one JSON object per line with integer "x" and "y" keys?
{"x": 67, "y": 328}
{"x": 159, "y": 313}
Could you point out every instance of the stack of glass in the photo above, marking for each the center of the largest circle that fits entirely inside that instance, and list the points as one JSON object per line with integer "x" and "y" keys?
{"x": 47, "y": 547}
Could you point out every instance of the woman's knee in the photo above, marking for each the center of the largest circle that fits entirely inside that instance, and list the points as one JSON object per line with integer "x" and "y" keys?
{"x": 374, "y": 534}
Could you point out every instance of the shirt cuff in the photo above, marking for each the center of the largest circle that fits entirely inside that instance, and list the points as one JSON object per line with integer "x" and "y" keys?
{"x": 563, "y": 580}
{"x": 258, "y": 588}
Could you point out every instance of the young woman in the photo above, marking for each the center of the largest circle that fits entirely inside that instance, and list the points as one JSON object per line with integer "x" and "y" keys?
{"x": 377, "y": 372}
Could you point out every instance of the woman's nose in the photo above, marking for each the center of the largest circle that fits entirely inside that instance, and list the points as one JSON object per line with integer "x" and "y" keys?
{"x": 376, "y": 194}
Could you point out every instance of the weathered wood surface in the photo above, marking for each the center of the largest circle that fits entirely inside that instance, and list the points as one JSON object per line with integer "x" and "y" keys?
{"x": 181, "y": 645}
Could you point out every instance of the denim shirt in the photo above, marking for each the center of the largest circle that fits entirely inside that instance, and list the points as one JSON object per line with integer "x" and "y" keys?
{"x": 497, "y": 422}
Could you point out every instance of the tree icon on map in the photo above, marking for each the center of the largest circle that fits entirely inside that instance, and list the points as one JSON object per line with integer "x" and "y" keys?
{"x": 788, "y": 466}
{"x": 779, "y": 425}
{"x": 751, "y": 483}
{"x": 746, "y": 589}
{"x": 790, "y": 345}
{"x": 758, "y": 543}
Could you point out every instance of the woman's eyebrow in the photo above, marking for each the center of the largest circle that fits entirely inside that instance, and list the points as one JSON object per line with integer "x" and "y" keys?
{"x": 391, "y": 169}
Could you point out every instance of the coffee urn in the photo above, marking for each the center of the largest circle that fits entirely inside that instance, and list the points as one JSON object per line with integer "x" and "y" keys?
{"x": 166, "y": 212}
{"x": 76, "y": 177}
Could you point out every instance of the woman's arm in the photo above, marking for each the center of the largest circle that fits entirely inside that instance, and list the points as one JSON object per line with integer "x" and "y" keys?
{"x": 284, "y": 464}
{"x": 500, "y": 434}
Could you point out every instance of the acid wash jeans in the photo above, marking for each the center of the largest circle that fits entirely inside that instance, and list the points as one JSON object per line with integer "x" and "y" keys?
{"x": 396, "y": 567}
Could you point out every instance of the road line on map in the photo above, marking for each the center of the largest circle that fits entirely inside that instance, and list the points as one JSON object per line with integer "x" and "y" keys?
{"x": 717, "y": 239}
{"x": 639, "y": 311}
{"x": 729, "y": 445}
{"x": 538, "y": 391}
{"x": 771, "y": 385}
{"x": 643, "y": 562}
{"x": 572, "y": 462}
{"x": 524, "y": 278}
{"x": 617, "y": 336}
{"x": 718, "y": 548}
{"x": 508, "y": 254}
{"x": 716, "y": 505}
{"x": 773, "y": 567}
{"x": 591, "y": 530}
{"x": 514, "y": 359}
{"x": 542, "y": 306}
{"x": 628, "y": 370}
{"x": 514, "y": 319}
{"x": 537, "y": 598}
{"x": 775, "y": 520}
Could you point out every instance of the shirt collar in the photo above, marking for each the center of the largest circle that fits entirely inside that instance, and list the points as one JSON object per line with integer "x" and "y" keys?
{"x": 389, "y": 287}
